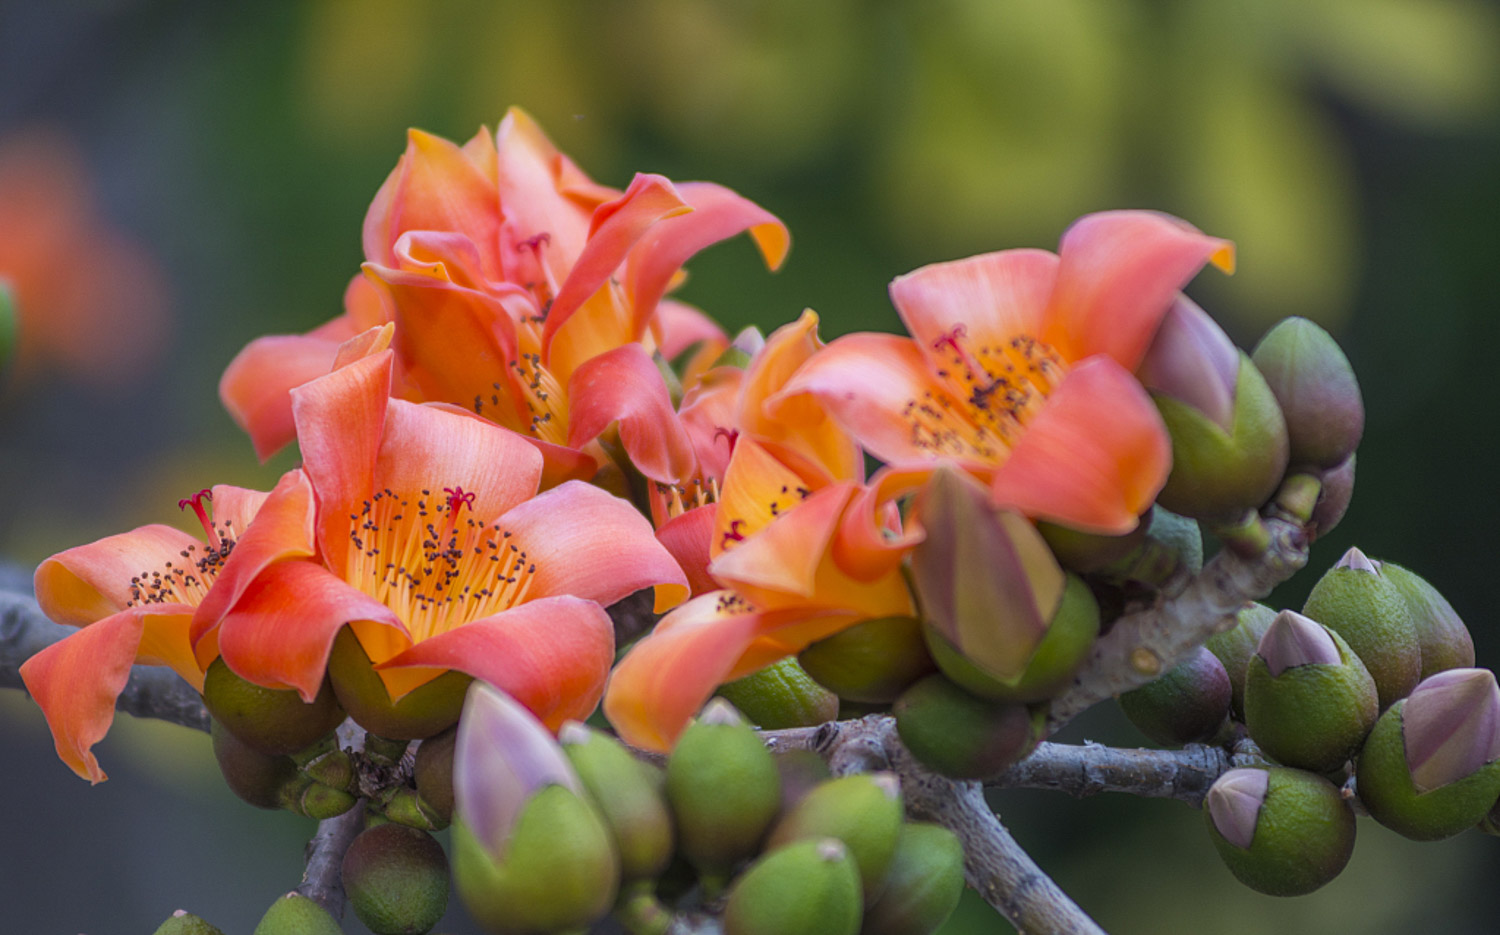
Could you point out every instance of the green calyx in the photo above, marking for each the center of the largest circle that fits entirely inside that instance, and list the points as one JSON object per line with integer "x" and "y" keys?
{"x": 1370, "y": 614}
{"x": 1443, "y": 639}
{"x": 1057, "y": 657}
{"x": 922, "y": 885}
{"x": 1187, "y": 704}
{"x": 628, "y": 794}
{"x": 961, "y": 735}
{"x": 396, "y": 879}
{"x": 1304, "y": 836}
{"x": 255, "y": 777}
{"x": 183, "y": 922}
{"x": 295, "y": 914}
{"x": 426, "y": 710}
{"x": 805, "y": 888}
{"x": 1235, "y": 646}
{"x": 863, "y": 811}
{"x": 870, "y": 662}
{"x": 781, "y": 695}
{"x": 724, "y": 790}
{"x": 270, "y": 720}
{"x": 1312, "y": 717}
{"x": 1218, "y": 474}
{"x": 1386, "y": 788}
{"x": 559, "y": 872}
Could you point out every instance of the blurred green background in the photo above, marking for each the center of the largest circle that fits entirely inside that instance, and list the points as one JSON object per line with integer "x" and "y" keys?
{"x": 1350, "y": 147}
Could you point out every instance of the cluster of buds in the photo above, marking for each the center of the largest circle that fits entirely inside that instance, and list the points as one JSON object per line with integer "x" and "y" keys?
{"x": 552, "y": 835}
{"x": 1309, "y": 688}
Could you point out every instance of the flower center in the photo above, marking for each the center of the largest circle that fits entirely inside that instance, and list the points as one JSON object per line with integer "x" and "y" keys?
{"x": 433, "y": 563}
{"x": 188, "y": 580}
{"x": 544, "y": 399}
{"x": 999, "y": 389}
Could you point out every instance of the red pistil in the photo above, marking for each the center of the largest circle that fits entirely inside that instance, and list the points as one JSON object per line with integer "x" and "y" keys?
{"x": 732, "y": 434}
{"x": 196, "y": 501}
{"x": 457, "y": 499}
{"x": 732, "y": 534}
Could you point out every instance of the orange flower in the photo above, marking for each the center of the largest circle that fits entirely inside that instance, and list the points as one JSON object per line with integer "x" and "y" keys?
{"x": 428, "y": 539}
{"x": 91, "y": 301}
{"x": 134, "y": 595}
{"x": 522, "y": 291}
{"x": 1019, "y": 369}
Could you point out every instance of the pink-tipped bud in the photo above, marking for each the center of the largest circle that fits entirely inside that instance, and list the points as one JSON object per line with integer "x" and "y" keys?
{"x": 987, "y": 581}
{"x": 1294, "y": 640}
{"x": 1358, "y": 561}
{"x": 1316, "y": 389}
{"x": 1451, "y": 727}
{"x": 1234, "y": 804}
{"x": 1192, "y": 360}
{"x": 503, "y": 756}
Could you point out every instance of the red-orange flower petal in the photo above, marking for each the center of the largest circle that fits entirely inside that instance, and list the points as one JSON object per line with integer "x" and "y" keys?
{"x": 687, "y": 536}
{"x": 1093, "y": 458}
{"x": 551, "y": 654}
{"x": 434, "y": 187}
{"x": 625, "y": 386}
{"x": 89, "y": 582}
{"x": 1119, "y": 273}
{"x": 988, "y": 298}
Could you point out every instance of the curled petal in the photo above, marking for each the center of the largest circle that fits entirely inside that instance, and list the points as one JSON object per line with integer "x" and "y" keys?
{"x": 593, "y": 545}
{"x": 91, "y": 582}
{"x": 717, "y": 214}
{"x": 687, "y": 536}
{"x": 624, "y": 386}
{"x": 257, "y": 384}
{"x": 435, "y": 187}
{"x": 879, "y": 386}
{"x": 552, "y": 655}
{"x": 280, "y": 632}
{"x": 797, "y": 426}
{"x": 76, "y": 681}
{"x": 988, "y": 299}
{"x": 871, "y": 541}
{"x": 1095, "y": 456}
{"x": 1120, "y": 271}
{"x": 531, "y": 180}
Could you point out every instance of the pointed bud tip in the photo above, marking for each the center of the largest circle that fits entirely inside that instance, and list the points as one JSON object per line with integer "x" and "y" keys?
{"x": 1451, "y": 726}
{"x": 831, "y": 849}
{"x": 1294, "y": 640}
{"x": 1234, "y": 804}
{"x": 1356, "y": 560}
{"x": 719, "y": 711}
{"x": 574, "y": 733}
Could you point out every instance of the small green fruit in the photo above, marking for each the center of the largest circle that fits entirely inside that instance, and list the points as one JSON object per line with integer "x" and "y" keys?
{"x": 781, "y": 695}
{"x": 396, "y": 879}
{"x": 923, "y": 884}
{"x": 295, "y": 914}
{"x": 871, "y": 662}
{"x": 255, "y": 777}
{"x": 1355, "y": 600}
{"x": 863, "y": 811}
{"x": 183, "y": 922}
{"x": 272, "y": 721}
{"x": 962, "y": 736}
{"x": 1235, "y": 646}
{"x": 1315, "y": 386}
{"x": 723, "y": 788}
{"x": 1283, "y": 832}
{"x": 433, "y": 773}
{"x": 427, "y": 710}
{"x": 1185, "y": 705}
{"x": 1445, "y": 641}
{"x": 628, "y": 794}
{"x": 806, "y": 888}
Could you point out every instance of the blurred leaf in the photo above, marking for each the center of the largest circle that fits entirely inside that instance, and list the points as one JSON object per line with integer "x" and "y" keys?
{"x": 361, "y": 67}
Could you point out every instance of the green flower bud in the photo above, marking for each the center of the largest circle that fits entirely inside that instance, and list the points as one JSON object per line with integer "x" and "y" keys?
{"x": 1282, "y": 832}
{"x": 628, "y": 793}
{"x": 1171, "y": 544}
{"x": 319, "y": 801}
{"x": 1309, "y": 702}
{"x": 271, "y": 721}
{"x": 781, "y": 695}
{"x": 183, "y": 922}
{"x": 1316, "y": 389}
{"x": 1219, "y": 473}
{"x": 1185, "y": 705}
{"x": 1086, "y": 552}
{"x": 405, "y": 806}
{"x": 295, "y": 914}
{"x": 962, "y": 736}
{"x": 723, "y": 788}
{"x": 1333, "y": 498}
{"x": 806, "y": 888}
{"x": 396, "y": 879}
{"x": 923, "y": 884}
{"x": 992, "y": 594}
{"x": 864, "y": 811}
{"x": 1357, "y": 602}
{"x": 1431, "y": 766}
{"x": 1442, "y": 636}
{"x": 426, "y": 710}
{"x": 531, "y": 853}
{"x": 1235, "y": 646}
{"x": 255, "y": 777}
{"x": 333, "y": 768}
{"x": 433, "y": 773}
{"x": 871, "y": 662}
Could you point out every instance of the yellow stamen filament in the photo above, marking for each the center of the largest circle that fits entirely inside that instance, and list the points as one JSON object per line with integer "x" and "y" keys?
{"x": 544, "y": 399}
{"x": 433, "y": 563}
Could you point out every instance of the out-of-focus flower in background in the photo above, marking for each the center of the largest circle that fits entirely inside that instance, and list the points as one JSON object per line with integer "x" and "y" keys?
{"x": 91, "y": 302}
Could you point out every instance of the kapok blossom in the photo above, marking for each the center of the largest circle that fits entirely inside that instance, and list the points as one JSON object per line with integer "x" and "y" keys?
{"x": 423, "y": 532}
{"x": 1019, "y": 369}
{"x": 522, "y": 291}
{"x": 133, "y": 595}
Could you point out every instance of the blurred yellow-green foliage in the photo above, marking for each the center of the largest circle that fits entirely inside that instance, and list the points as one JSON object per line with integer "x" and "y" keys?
{"x": 1350, "y": 147}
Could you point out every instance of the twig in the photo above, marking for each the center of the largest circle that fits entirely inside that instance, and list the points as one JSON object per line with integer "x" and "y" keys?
{"x": 1142, "y": 645}
{"x": 322, "y": 881}
{"x": 1082, "y": 771}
